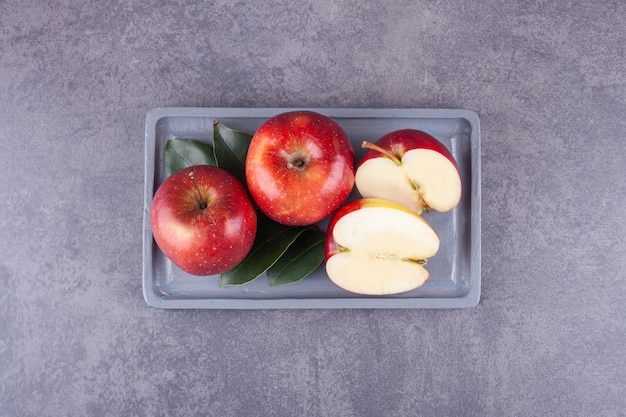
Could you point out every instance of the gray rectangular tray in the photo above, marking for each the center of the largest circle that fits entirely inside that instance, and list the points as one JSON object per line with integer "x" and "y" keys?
{"x": 454, "y": 272}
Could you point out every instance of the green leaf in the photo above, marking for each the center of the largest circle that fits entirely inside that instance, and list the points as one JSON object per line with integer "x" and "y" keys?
{"x": 183, "y": 153}
{"x": 231, "y": 149}
{"x": 304, "y": 255}
{"x": 271, "y": 241}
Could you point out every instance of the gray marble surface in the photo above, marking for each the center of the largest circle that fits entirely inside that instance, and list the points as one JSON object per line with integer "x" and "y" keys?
{"x": 548, "y": 82}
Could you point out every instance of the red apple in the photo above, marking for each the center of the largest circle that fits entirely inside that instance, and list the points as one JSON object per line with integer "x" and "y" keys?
{"x": 203, "y": 220}
{"x": 411, "y": 168}
{"x": 300, "y": 167}
{"x": 378, "y": 247}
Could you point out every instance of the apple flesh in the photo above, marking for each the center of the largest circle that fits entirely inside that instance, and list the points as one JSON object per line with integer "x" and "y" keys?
{"x": 412, "y": 168}
{"x": 378, "y": 247}
{"x": 300, "y": 167}
{"x": 203, "y": 220}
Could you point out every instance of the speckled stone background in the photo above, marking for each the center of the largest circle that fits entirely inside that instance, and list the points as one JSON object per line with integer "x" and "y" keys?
{"x": 547, "y": 79}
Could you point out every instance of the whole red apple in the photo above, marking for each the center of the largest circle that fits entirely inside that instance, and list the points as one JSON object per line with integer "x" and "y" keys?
{"x": 412, "y": 168}
{"x": 203, "y": 220}
{"x": 300, "y": 167}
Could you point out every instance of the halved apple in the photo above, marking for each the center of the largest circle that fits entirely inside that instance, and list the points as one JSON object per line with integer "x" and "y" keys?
{"x": 412, "y": 168}
{"x": 378, "y": 247}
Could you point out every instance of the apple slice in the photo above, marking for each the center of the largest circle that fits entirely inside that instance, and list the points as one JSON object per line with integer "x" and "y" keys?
{"x": 411, "y": 168}
{"x": 378, "y": 247}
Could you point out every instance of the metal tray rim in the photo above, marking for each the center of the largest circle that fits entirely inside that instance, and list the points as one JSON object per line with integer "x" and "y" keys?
{"x": 471, "y": 299}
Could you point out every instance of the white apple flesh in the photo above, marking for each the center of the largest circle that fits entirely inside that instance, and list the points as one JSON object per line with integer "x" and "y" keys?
{"x": 411, "y": 168}
{"x": 378, "y": 247}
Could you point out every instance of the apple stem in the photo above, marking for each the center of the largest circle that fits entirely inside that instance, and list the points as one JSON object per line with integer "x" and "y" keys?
{"x": 203, "y": 203}
{"x": 384, "y": 152}
{"x": 297, "y": 164}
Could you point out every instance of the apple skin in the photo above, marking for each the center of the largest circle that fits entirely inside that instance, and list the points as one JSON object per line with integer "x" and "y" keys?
{"x": 397, "y": 144}
{"x": 203, "y": 241}
{"x": 330, "y": 245}
{"x": 300, "y": 167}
